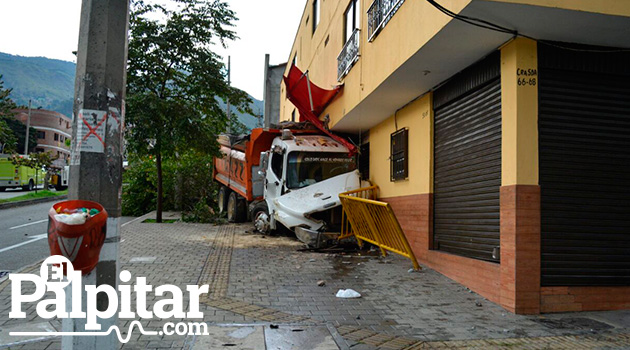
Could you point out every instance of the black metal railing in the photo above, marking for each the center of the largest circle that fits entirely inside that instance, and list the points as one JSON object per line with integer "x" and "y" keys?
{"x": 379, "y": 13}
{"x": 348, "y": 55}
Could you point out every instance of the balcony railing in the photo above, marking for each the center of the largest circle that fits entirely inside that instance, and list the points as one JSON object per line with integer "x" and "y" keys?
{"x": 379, "y": 13}
{"x": 348, "y": 55}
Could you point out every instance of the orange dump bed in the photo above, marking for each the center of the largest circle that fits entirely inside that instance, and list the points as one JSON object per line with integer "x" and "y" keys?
{"x": 238, "y": 169}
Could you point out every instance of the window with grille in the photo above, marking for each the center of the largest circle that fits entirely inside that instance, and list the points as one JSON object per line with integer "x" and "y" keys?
{"x": 399, "y": 159}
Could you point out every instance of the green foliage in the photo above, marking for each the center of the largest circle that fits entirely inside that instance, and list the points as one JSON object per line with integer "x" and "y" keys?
{"x": 12, "y": 131}
{"x": 41, "y": 160}
{"x": 139, "y": 191}
{"x": 6, "y": 103}
{"x": 19, "y": 131}
{"x": 8, "y": 141}
{"x": 202, "y": 212}
{"x": 174, "y": 81}
{"x": 188, "y": 186}
{"x": 35, "y": 161}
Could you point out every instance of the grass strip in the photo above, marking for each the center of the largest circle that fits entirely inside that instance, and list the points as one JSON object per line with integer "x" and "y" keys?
{"x": 33, "y": 195}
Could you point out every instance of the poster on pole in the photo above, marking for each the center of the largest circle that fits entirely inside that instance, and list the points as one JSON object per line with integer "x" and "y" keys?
{"x": 91, "y": 131}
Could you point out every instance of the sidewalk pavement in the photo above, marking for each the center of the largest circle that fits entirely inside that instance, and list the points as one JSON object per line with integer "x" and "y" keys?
{"x": 264, "y": 294}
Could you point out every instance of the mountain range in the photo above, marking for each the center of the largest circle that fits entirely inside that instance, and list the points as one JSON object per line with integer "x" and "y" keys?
{"x": 49, "y": 84}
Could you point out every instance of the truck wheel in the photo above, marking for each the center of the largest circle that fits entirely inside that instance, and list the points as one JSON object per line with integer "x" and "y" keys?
{"x": 30, "y": 186}
{"x": 261, "y": 218}
{"x": 222, "y": 199}
{"x": 236, "y": 208}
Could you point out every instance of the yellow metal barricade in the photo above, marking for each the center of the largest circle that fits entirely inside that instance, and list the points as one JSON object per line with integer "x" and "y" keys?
{"x": 374, "y": 222}
{"x": 365, "y": 193}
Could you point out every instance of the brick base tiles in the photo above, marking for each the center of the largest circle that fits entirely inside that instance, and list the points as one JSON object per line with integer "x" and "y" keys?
{"x": 514, "y": 282}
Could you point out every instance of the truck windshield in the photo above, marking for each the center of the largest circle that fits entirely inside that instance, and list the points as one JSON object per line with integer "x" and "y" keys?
{"x": 307, "y": 168}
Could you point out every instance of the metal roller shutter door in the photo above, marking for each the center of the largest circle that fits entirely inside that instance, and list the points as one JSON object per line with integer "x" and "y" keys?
{"x": 468, "y": 169}
{"x": 584, "y": 135}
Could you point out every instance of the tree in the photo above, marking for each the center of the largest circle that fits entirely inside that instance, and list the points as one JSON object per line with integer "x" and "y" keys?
{"x": 7, "y": 137}
{"x": 8, "y": 141}
{"x": 37, "y": 161}
{"x": 174, "y": 80}
{"x": 12, "y": 131}
{"x": 6, "y": 103}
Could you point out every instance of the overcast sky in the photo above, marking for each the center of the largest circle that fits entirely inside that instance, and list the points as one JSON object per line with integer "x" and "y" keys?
{"x": 50, "y": 28}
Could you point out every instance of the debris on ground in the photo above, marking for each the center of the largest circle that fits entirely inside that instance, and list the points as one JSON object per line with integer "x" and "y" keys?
{"x": 273, "y": 326}
{"x": 348, "y": 294}
{"x": 478, "y": 304}
{"x": 321, "y": 283}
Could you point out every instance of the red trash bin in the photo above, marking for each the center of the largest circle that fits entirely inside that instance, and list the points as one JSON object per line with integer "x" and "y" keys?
{"x": 81, "y": 244}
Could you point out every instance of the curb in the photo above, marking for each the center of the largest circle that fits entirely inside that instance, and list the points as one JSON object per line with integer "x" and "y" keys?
{"x": 32, "y": 201}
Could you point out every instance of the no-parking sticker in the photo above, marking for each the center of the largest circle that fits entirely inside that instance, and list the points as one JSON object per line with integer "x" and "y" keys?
{"x": 91, "y": 131}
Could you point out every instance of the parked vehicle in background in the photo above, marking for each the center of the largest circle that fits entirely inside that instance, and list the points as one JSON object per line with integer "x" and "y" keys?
{"x": 60, "y": 181}
{"x": 12, "y": 176}
{"x": 285, "y": 177}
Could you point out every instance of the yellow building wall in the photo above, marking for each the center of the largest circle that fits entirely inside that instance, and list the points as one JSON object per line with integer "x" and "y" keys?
{"x": 418, "y": 118}
{"x": 415, "y": 23}
{"x": 519, "y": 113}
{"x": 378, "y": 59}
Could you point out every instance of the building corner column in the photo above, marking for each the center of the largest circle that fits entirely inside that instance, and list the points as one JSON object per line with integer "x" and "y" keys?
{"x": 520, "y": 192}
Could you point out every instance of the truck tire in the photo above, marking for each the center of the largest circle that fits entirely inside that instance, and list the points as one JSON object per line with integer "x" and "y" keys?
{"x": 30, "y": 186}
{"x": 222, "y": 199}
{"x": 236, "y": 208}
{"x": 261, "y": 218}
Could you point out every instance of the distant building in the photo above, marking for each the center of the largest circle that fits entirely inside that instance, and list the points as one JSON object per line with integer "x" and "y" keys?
{"x": 53, "y": 129}
{"x": 271, "y": 93}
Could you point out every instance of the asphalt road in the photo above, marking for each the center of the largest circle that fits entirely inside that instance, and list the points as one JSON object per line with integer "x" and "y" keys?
{"x": 23, "y": 235}
{"x": 15, "y": 192}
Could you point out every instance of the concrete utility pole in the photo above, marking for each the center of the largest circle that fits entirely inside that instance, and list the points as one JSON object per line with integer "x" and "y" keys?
{"x": 97, "y": 142}
{"x": 28, "y": 127}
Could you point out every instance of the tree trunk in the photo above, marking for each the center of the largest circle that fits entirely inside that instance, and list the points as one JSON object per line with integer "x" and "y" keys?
{"x": 158, "y": 210}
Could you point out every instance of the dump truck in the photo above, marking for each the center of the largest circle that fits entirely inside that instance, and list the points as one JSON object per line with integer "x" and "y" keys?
{"x": 12, "y": 176}
{"x": 285, "y": 177}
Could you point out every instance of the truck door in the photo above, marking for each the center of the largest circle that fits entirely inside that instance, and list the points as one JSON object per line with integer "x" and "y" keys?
{"x": 273, "y": 183}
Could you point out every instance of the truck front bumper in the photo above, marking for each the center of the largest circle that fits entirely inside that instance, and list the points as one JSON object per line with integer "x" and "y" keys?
{"x": 315, "y": 239}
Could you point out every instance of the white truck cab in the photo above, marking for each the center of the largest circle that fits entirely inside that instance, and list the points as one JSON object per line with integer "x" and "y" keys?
{"x": 303, "y": 178}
